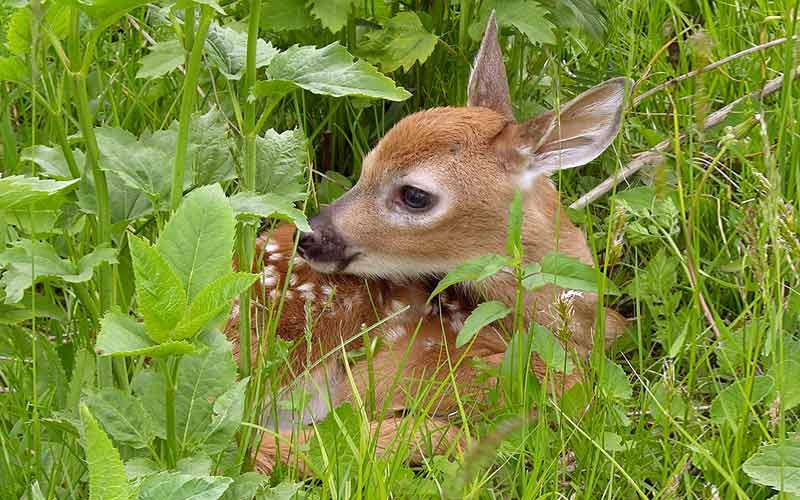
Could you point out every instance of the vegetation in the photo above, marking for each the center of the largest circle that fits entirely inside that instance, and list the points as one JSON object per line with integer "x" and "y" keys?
{"x": 144, "y": 142}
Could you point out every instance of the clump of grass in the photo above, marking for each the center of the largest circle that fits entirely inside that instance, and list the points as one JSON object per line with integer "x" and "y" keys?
{"x": 698, "y": 400}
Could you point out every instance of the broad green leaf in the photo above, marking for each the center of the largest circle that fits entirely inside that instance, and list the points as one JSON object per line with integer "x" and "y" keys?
{"x": 656, "y": 280}
{"x": 777, "y": 466}
{"x": 732, "y": 404}
{"x": 613, "y": 381}
{"x": 121, "y": 335}
{"x": 483, "y": 315}
{"x": 107, "y": 10}
{"x": 139, "y": 165}
{"x": 51, "y": 160}
{"x": 570, "y": 273}
{"x": 281, "y": 160}
{"x": 107, "y": 479}
{"x": 400, "y": 44}
{"x": 225, "y": 419}
{"x": 179, "y": 486}
{"x": 202, "y": 378}
{"x": 515, "y": 219}
{"x": 528, "y": 16}
{"x": 149, "y": 386}
{"x": 246, "y": 486}
{"x": 211, "y": 156}
{"x": 331, "y": 71}
{"x": 122, "y": 416}
{"x": 285, "y": 15}
{"x": 550, "y": 350}
{"x": 214, "y": 300}
{"x": 214, "y": 4}
{"x": 227, "y": 50}
{"x": 20, "y": 192}
{"x": 197, "y": 465}
{"x": 14, "y": 69}
{"x": 253, "y": 207}
{"x": 162, "y": 59}
{"x": 272, "y": 89}
{"x": 337, "y": 435}
{"x": 18, "y": 31}
{"x": 140, "y": 467}
{"x": 198, "y": 239}
{"x": 283, "y": 491}
{"x": 127, "y": 203}
{"x": 159, "y": 291}
{"x": 790, "y": 389}
{"x": 476, "y": 269}
{"x": 27, "y": 262}
{"x": 11, "y": 314}
{"x": 331, "y": 13}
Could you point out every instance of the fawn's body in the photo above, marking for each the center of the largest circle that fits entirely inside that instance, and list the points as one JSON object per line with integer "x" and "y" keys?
{"x": 433, "y": 194}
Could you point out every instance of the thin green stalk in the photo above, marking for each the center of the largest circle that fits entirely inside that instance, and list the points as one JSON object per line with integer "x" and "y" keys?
{"x": 171, "y": 375}
{"x": 187, "y": 106}
{"x": 9, "y": 140}
{"x": 247, "y": 234}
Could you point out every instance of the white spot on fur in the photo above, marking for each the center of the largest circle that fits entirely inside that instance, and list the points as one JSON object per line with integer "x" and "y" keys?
{"x": 275, "y": 294}
{"x": 298, "y": 261}
{"x": 397, "y": 306}
{"x": 276, "y": 256}
{"x": 429, "y": 344}
{"x": 271, "y": 247}
{"x": 307, "y": 291}
{"x": 293, "y": 280}
{"x": 394, "y": 334}
{"x": 269, "y": 278}
{"x": 456, "y": 321}
{"x": 235, "y": 310}
{"x": 570, "y": 295}
{"x": 327, "y": 291}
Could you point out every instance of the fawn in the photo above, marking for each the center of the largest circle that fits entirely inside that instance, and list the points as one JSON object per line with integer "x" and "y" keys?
{"x": 433, "y": 194}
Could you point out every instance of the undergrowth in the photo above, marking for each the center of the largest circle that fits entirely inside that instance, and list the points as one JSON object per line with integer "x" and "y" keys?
{"x": 144, "y": 143}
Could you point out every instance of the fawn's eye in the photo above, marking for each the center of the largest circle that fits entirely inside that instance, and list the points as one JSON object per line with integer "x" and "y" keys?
{"x": 415, "y": 199}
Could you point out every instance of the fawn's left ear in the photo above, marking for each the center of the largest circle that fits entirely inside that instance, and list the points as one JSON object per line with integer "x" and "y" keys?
{"x": 583, "y": 128}
{"x": 488, "y": 83}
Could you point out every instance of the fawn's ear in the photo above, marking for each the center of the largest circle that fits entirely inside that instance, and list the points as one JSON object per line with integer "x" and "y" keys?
{"x": 583, "y": 129}
{"x": 488, "y": 83}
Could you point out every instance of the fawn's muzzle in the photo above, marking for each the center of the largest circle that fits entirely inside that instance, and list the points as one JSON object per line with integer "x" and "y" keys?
{"x": 323, "y": 246}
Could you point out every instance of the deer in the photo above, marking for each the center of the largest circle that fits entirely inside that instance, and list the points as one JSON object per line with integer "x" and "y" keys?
{"x": 433, "y": 193}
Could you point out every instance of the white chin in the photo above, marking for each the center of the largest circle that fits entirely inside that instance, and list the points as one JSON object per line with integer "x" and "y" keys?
{"x": 323, "y": 267}
{"x": 394, "y": 268}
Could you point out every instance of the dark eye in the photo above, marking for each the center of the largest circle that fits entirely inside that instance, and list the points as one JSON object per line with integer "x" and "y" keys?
{"x": 415, "y": 199}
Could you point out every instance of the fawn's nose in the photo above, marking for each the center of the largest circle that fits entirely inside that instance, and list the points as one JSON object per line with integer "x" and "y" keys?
{"x": 323, "y": 243}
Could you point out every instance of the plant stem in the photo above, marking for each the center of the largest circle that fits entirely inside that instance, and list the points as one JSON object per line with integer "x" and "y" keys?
{"x": 187, "y": 106}
{"x": 247, "y": 234}
{"x": 170, "y": 375}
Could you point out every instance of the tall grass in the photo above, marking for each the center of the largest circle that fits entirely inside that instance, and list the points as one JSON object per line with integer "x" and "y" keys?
{"x": 704, "y": 245}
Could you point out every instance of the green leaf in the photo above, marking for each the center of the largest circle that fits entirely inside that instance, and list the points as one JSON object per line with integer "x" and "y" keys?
{"x": 109, "y": 9}
{"x": 214, "y": 4}
{"x": 550, "y": 350}
{"x": 777, "y": 466}
{"x": 285, "y": 15}
{"x": 283, "y": 491}
{"x": 127, "y": 203}
{"x": 246, "y": 486}
{"x": 150, "y": 386}
{"x": 331, "y": 13}
{"x": 272, "y": 89}
{"x": 27, "y": 262}
{"x": 211, "y": 156}
{"x": 475, "y": 270}
{"x": 123, "y": 417}
{"x": 159, "y": 291}
{"x": 162, "y": 59}
{"x": 250, "y": 206}
{"x": 527, "y": 16}
{"x": 107, "y": 479}
{"x": 227, "y": 51}
{"x": 484, "y": 314}
{"x": 197, "y": 465}
{"x": 202, "y": 378}
{"x": 331, "y": 71}
{"x": 568, "y": 272}
{"x": 13, "y": 69}
{"x": 11, "y": 314}
{"x": 140, "y": 165}
{"x": 20, "y": 192}
{"x": 281, "y": 160}
{"x": 198, "y": 239}
{"x": 515, "y": 216}
{"x": 51, "y": 160}
{"x": 121, "y": 335}
{"x": 225, "y": 420}
{"x": 214, "y": 300}
{"x": 732, "y": 404}
{"x": 613, "y": 381}
{"x": 790, "y": 389}
{"x": 400, "y": 44}
{"x": 179, "y": 486}
{"x": 333, "y": 447}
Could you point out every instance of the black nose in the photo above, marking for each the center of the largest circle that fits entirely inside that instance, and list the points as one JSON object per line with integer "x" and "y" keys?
{"x": 323, "y": 243}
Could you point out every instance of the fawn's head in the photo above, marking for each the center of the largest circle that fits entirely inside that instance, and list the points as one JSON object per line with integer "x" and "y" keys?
{"x": 436, "y": 189}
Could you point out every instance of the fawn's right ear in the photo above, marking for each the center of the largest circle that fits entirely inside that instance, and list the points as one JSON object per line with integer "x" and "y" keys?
{"x": 488, "y": 83}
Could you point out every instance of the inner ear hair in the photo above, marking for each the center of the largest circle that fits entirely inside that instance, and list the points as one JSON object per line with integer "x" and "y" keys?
{"x": 488, "y": 82}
